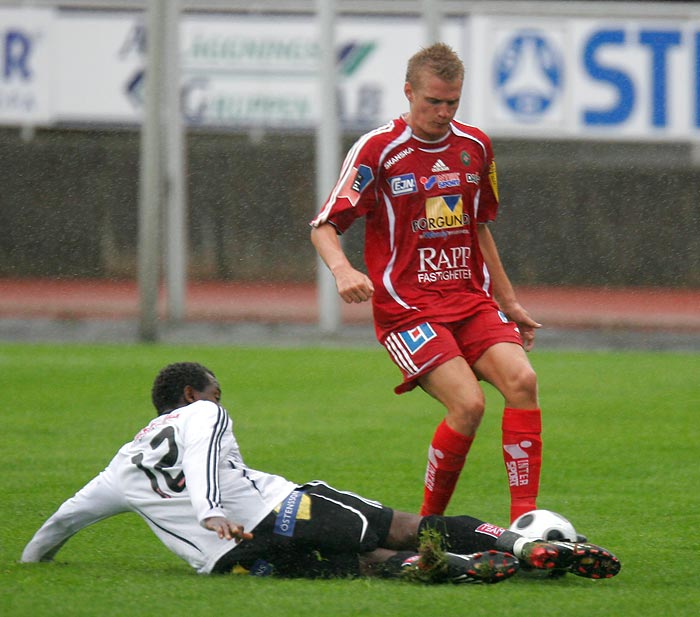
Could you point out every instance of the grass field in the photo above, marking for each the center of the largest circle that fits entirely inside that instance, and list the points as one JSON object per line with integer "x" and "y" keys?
{"x": 622, "y": 461}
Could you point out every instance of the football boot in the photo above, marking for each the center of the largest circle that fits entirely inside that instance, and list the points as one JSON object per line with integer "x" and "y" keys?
{"x": 485, "y": 567}
{"x": 581, "y": 559}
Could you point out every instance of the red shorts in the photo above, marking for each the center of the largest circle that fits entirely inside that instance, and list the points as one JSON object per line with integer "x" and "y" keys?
{"x": 422, "y": 348}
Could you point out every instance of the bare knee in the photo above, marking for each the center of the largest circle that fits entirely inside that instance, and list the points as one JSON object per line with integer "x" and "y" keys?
{"x": 520, "y": 388}
{"x": 464, "y": 416}
{"x": 455, "y": 385}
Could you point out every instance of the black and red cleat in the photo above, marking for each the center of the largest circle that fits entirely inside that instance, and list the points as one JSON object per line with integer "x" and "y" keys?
{"x": 486, "y": 567}
{"x": 587, "y": 560}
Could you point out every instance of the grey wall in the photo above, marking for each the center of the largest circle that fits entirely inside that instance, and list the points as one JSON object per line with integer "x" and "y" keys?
{"x": 571, "y": 214}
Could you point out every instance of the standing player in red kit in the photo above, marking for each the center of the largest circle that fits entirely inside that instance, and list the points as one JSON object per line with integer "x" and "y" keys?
{"x": 443, "y": 305}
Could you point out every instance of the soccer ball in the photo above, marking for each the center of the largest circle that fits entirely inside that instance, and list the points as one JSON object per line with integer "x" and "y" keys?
{"x": 544, "y": 525}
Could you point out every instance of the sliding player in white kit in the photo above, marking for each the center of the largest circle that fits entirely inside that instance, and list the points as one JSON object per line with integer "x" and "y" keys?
{"x": 184, "y": 475}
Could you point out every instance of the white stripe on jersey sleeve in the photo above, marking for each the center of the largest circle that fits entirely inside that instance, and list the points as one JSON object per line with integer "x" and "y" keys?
{"x": 346, "y": 169}
{"x": 460, "y": 133}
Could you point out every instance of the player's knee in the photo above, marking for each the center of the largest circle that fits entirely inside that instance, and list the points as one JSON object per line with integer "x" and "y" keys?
{"x": 522, "y": 385}
{"x": 465, "y": 416}
{"x": 527, "y": 379}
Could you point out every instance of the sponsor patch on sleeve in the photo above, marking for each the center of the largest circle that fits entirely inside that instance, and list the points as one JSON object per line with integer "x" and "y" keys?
{"x": 493, "y": 179}
{"x": 357, "y": 181}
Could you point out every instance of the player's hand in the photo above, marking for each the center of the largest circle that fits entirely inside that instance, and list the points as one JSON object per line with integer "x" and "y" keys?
{"x": 225, "y": 529}
{"x": 353, "y": 285}
{"x": 526, "y": 324}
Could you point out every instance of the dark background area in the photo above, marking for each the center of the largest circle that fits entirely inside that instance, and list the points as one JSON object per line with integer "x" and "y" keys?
{"x": 572, "y": 213}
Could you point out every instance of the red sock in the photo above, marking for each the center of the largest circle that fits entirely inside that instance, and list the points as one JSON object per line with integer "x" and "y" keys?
{"x": 446, "y": 457}
{"x": 522, "y": 454}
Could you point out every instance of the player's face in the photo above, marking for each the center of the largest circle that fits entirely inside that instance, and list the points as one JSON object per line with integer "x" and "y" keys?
{"x": 433, "y": 104}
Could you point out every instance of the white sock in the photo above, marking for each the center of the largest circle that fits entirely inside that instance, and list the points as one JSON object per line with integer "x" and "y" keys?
{"x": 518, "y": 547}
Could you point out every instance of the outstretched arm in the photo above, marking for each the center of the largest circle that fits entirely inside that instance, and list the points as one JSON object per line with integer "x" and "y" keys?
{"x": 353, "y": 285}
{"x": 503, "y": 290}
{"x": 97, "y": 500}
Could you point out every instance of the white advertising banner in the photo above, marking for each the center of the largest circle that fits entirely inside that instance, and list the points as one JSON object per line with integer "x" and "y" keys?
{"x": 586, "y": 78}
{"x": 237, "y": 70}
{"x": 25, "y": 65}
{"x": 99, "y": 67}
{"x": 559, "y": 77}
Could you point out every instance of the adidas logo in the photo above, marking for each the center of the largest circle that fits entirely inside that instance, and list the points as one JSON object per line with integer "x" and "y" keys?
{"x": 439, "y": 166}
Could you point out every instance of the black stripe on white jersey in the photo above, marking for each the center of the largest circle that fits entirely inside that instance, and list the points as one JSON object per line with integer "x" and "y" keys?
{"x": 213, "y": 489}
{"x": 170, "y": 533}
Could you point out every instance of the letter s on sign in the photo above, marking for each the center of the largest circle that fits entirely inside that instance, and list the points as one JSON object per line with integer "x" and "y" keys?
{"x": 619, "y": 80}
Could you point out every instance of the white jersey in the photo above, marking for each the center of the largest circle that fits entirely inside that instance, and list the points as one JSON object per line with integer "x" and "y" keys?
{"x": 182, "y": 468}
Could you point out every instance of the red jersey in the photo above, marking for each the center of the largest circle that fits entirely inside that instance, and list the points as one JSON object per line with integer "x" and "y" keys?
{"x": 422, "y": 202}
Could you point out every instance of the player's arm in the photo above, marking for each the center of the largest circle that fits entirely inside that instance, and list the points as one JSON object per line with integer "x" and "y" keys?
{"x": 353, "y": 285}
{"x": 206, "y": 433}
{"x": 503, "y": 289}
{"x": 97, "y": 500}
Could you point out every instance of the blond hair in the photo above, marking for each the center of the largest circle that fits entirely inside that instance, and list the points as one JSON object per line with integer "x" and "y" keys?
{"x": 440, "y": 59}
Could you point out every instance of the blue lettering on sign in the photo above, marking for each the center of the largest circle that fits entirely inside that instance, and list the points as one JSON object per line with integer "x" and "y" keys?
{"x": 659, "y": 42}
{"x": 17, "y": 49}
{"x": 619, "y": 80}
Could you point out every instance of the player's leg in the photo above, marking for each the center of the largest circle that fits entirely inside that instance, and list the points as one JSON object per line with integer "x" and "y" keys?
{"x": 432, "y": 565}
{"x": 340, "y": 533}
{"x": 339, "y": 521}
{"x": 428, "y": 355}
{"x": 421, "y": 553}
{"x": 465, "y": 534}
{"x": 317, "y": 531}
{"x": 506, "y": 367}
{"x": 455, "y": 386}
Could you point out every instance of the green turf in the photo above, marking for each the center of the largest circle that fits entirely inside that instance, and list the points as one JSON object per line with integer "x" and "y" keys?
{"x": 621, "y": 460}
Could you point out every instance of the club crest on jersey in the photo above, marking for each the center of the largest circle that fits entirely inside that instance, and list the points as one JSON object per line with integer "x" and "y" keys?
{"x": 403, "y": 185}
{"x": 416, "y": 337}
{"x": 356, "y": 183}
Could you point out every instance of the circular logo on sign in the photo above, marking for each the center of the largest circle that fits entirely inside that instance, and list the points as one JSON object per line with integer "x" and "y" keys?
{"x": 528, "y": 74}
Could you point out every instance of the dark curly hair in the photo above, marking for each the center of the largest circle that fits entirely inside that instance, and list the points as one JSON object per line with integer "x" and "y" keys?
{"x": 170, "y": 383}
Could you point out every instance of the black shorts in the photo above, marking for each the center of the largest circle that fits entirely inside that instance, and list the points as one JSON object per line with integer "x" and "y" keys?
{"x": 318, "y": 531}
